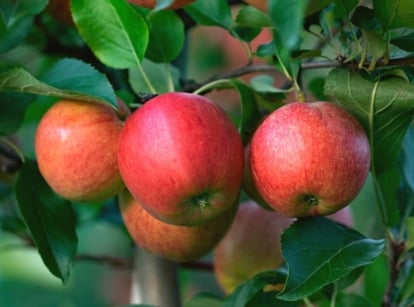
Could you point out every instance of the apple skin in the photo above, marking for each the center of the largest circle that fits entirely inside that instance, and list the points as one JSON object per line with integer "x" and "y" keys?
{"x": 151, "y": 3}
{"x": 173, "y": 242}
{"x": 181, "y": 157}
{"x": 309, "y": 158}
{"x": 252, "y": 245}
{"x": 76, "y": 150}
{"x": 259, "y": 4}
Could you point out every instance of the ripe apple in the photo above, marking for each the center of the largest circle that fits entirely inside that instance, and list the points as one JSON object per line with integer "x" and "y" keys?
{"x": 309, "y": 158}
{"x": 173, "y": 242}
{"x": 76, "y": 150}
{"x": 151, "y": 3}
{"x": 251, "y": 246}
{"x": 259, "y": 4}
{"x": 181, "y": 157}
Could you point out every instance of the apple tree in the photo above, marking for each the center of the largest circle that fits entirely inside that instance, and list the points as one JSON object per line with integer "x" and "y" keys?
{"x": 251, "y": 58}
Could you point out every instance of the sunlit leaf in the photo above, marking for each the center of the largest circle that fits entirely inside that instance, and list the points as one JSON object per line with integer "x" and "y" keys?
{"x": 113, "y": 29}
{"x": 50, "y": 220}
{"x": 395, "y": 14}
{"x": 68, "y": 78}
{"x": 341, "y": 251}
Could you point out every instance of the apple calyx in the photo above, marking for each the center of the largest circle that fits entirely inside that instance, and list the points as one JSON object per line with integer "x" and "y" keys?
{"x": 311, "y": 200}
{"x": 201, "y": 201}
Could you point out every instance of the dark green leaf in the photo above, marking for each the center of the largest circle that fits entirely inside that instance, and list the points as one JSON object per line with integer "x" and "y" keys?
{"x": 352, "y": 300}
{"x": 248, "y": 291}
{"x": 211, "y": 13}
{"x": 395, "y": 14}
{"x": 251, "y": 17}
{"x": 375, "y": 280}
{"x": 317, "y": 5}
{"x": 166, "y": 38}
{"x": 384, "y": 108}
{"x": 12, "y": 110}
{"x": 50, "y": 220}
{"x": 405, "y": 42}
{"x": 287, "y": 17}
{"x": 341, "y": 251}
{"x": 409, "y": 225}
{"x": 68, "y": 78}
{"x": 16, "y": 19}
{"x": 114, "y": 30}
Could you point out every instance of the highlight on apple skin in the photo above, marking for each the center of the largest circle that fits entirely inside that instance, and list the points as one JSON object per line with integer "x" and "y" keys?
{"x": 181, "y": 157}
{"x": 76, "y": 150}
{"x": 309, "y": 158}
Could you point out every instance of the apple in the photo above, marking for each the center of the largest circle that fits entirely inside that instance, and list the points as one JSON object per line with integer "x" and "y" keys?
{"x": 251, "y": 246}
{"x": 76, "y": 150}
{"x": 181, "y": 157}
{"x": 309, "y": 158}
{"x": 259, "y": 4}
{"x": 173, "y": 242}
{"x": 151, "y": 3}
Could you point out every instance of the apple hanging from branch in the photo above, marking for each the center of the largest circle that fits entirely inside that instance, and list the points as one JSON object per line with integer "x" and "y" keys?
{"x": 309, "y": 158}
{"x": 76, "y": 149}
{"x": 173, "y": 242}
{"x": 181, "y": 157}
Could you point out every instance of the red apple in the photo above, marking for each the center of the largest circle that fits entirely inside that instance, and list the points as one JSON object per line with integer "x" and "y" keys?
{"x": 309, "y": 159}
{"x": 176, "y": 243}
{"x": 76, "y": 149}
{"x": 181, "y": 157}
{"x": 151, "y": 3}
{"x": 251, "y": 246}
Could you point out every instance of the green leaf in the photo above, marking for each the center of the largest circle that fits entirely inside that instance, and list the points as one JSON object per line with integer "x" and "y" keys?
{"x": 50, "y": 220}
{"x": 409, "y": 225}
{"x": 405, "y": 42}
{"x": 16, "y": 20}
{"x": 68, "y": 78}
{"x": 265, "y": 84}
{"x": 166, "y": 38}
{"x": 407, "y": 289}
{"x": 12, "y": 110}
{"x": 383, "y": 107}
{"x": 395, "y": 14}
{"x": 248, "y": 291}
{"x": 114, "y": 30}
{"x": 352, "y": 300}
{"x": 211, "y": 13}
{"x": 204, "y": 299}
{"x": 317, "y": 5}
{"x": 375, "y": 281}
{"x": 341, "y": 250}
{"x": 249, "y": 23}
{"x": 287, "y": 17}
{"x": 163, "y": 78}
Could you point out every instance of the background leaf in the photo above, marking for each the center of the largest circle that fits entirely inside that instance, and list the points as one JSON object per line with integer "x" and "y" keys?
{"x": 116, "y": 32}
{"x": 16, "y": 19}
{"x": 50, "y": 220}
{"x": 340, "y": 252}
{"x": 211, "y": 13}
{"x": 12, "y": 110}
{"x": 395, "y": 14}
{"x": 68, "y": 78}
{"x": 166, "y": 36}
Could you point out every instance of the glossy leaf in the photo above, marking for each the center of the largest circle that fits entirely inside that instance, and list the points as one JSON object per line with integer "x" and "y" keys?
{"x": 114, "y": 30}
{"x": 341, "y": 251}
{"x": 211, "y": 13}
{"x": 68, "y": 78}
{"x": 166, "y": 38}
{"x": 50, "y": 220}
{"x": 394, "y": 14}
{"x": 384, "y": 108}
{"x": 16, "y": 19}
{"x": 162, "y": 78}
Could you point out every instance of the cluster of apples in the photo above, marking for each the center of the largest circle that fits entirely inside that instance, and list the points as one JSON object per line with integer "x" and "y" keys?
{"x": 177, "y": 164}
